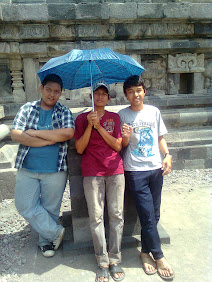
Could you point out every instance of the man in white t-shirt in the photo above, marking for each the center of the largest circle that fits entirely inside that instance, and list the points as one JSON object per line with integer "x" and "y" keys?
{"x": 142, "y": 131}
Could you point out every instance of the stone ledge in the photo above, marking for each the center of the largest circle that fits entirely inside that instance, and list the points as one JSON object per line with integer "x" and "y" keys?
{"x": 127, "y": 242}
{"x": 41, "y": 12}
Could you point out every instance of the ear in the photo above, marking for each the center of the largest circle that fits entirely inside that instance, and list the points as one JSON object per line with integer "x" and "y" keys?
{"x": 90, "y": 97}
{"x": 109, "y": 98}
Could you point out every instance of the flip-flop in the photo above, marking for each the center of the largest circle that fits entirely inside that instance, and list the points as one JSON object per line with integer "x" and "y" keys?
{"x": 167, "y": 278}
{"x": 102, "y": 272}
{"x": 116, "y": 268}
{"x": 148, "y": 260}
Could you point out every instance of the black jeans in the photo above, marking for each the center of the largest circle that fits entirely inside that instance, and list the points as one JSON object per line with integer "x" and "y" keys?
{"x": 145, "y": 187}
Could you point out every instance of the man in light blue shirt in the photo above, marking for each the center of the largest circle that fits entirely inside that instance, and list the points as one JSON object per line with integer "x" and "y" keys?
{"x": 42, "y": 128}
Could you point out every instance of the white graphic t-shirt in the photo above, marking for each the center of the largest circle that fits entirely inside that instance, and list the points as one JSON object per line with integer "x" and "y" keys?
{"x": 142, "y": 152}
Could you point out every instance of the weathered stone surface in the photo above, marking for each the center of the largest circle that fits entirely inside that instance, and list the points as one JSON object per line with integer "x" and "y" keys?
{"x": 176, "y": 10}
{"x": 150, "y": 10}
{"x": 186, "y": 63}
{"x": 92, "y": 11}
{"x": 34, "y": 31}
{"x": 33, "y": 48}
{"x": 22, "y": 12}
{"x": 201, "y": 11}
{"x": 61, "y": 11}
{"x": 2, "y": 115}
{"x": 203, "y": 28}
{"x": 63, "y": 31}
{"x": 96, "y": 31}
{"x": 7, "y": 182}
{"x": 123, "y": 11}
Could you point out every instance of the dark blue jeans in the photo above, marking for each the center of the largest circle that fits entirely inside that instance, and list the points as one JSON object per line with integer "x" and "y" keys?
{"x": 145, "y": 188}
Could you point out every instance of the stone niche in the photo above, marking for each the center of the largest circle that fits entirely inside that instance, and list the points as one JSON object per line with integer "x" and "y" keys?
{"x": 185, "y": 73}
{"x": 5, "y": 84}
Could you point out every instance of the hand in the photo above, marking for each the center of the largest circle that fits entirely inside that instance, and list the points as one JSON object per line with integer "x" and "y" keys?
{"x": 167, "y": 164}
{"x": 31, "y": 132}
{"x": 126, "y": 130}
{"x": 93, "y": 119}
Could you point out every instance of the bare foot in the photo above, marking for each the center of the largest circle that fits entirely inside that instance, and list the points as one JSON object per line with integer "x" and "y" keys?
{"x": 164, "y": 269}
{"x": 149, "y": 264}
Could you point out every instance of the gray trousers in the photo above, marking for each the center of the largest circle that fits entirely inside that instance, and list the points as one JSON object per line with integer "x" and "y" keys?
{"x": 95, "y": 188}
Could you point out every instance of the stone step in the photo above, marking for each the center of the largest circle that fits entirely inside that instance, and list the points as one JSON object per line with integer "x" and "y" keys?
{"x": 192, "y": 157}
{"x": 190, "y": 136}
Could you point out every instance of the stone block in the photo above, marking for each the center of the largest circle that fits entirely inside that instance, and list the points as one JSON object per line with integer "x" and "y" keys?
{"x": 208, "y": 163}
{"x": 177, "y": 11}
{"x": 63, "y": 31}
{"x": 194, "y": 164}
{"x": 74, "y": 161}
{"x": 9, "y": 32}
{"x": 81, "y": 230}
{"x": 183, "y": 153}
{"x": 54, "y": 49}
{"x": 33, "y": 48}
{"x": 62, "y": 11}
{"x": 96, "y": 31}
{"x": 30, "y": 31}
{"x": 192, "y": 119}
{"x": 209, "y": 152}
{"x": 22, "y": 12}
{"x": 76, "y": 186}
{"x": 28, "y": 1}
{"x": 92, "y": 11}
{"x": 7, "y": 183}
{"x": 171, "y": 119}
{"x": 199, "y": 152}
{"x": 203, "y": 28}
{"x": 123, "y": 11}
{"x": 150, "y": 11}
{"x": 178, "y": 164}
{"x": 201, "y": 11}
{"x": 2, "y": 115}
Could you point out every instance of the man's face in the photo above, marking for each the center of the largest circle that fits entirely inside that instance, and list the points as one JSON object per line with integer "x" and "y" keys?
{"x": 101, "y": 97}
{"x": 50, "y": 94}
{"x": 135, "y": 95}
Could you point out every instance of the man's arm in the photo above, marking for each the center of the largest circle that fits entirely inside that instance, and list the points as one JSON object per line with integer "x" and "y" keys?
{"x": 55, "y": 135}
{"x": 82, "y": 142}
{"x": 167, "y": 162}
{"x": 114, "y": 143}
{"x": 27, "y": 140}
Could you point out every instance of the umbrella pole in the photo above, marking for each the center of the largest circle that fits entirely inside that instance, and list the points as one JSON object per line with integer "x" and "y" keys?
{"x": 92, "y": 100}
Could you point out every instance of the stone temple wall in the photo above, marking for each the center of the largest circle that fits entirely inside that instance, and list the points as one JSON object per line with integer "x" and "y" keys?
{"x": 171, "y": 39}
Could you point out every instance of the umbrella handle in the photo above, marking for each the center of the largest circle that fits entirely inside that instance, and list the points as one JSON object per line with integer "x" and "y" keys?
{"x": 92, "y": 100}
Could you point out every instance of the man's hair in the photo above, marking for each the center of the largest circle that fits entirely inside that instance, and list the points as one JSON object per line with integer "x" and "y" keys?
{"x": 133, "y": 80}
{"x": 53, "y": 78}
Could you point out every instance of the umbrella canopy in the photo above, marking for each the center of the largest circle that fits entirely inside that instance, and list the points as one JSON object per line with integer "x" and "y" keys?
{"x": 82, "y": 68}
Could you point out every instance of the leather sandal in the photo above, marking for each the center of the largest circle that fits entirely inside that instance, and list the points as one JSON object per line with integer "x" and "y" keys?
{"x": 102, "y": 272}
{"x": 116, "y": 268}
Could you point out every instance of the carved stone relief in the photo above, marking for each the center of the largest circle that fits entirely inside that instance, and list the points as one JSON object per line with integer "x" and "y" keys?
{"x": 17, "y": 81}
{"x": 208, "y": 76}
{"x": 186, "y": 63}
{"x": 155, "y": 76}
{"x": 5, "y": 84}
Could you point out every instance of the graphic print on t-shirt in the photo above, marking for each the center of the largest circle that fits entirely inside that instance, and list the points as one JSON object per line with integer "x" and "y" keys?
{"x": 145, "y": 144}
{"x": 109, "y": 125}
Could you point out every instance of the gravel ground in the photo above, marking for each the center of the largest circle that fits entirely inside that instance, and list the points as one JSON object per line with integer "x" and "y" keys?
{"x": 16, "y": 234}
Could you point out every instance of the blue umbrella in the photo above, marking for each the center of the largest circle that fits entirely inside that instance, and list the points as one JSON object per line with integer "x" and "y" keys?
{"x": 82, "y": 68}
